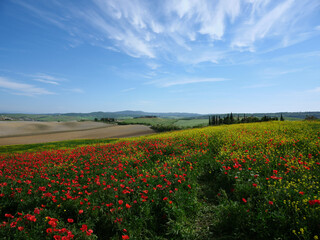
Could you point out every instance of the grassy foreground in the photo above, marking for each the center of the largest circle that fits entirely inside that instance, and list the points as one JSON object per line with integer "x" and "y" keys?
{"x": 249, "y": 181}
{"x": 37, "y": 147}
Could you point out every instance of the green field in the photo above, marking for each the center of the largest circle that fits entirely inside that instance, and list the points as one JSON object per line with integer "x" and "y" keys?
{"x": 192, "y": 123}
{"x": 53, "y": 145}
{"x": 241, "y": 181}
{"x": 150, "y": 121}
{"x": 167, "y": 124}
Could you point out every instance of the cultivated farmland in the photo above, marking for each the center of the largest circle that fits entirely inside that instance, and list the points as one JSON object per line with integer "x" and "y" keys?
{"x": 244, "y": 181}
{"x": 23, "y": 132}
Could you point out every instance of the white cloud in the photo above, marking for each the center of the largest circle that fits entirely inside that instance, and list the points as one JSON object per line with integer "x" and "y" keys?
{"x": 260, "y": 28}
{"x": 261, "y": 85}
{"x": 46, "y": 15}
{"x": 183, "y": 81}
{"x": 201, "y": 55}
{"x": 124, "y": 34}
{"x": 45, "y": 78}
{"x": 283, "y": 21}
{"x": 211, "y": 16}
{"x": 153, "y": 65}
{"x": 128, "y": 89}
{"x": 46, "y": 81}
{"x": 315, "y": 90}
{"x": 22, "y": 88}
{"x": 168, "y": 29}
{"x": 275, "y": 72}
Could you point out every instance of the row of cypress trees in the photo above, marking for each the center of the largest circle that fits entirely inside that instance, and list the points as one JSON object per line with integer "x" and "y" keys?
{"x": 230, "y": 119}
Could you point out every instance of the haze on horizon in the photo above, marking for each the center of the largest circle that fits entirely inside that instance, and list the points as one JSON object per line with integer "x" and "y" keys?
{"x": 160, "y": 56}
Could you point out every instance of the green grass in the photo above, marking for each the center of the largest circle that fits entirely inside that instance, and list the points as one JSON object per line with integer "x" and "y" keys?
{"x": 48, "y": 118}
{"x": 191, "y": 123}
{"x": 53, "y": 145}
{"x": 150, "y": 121}
{"x": 181, "y": 123}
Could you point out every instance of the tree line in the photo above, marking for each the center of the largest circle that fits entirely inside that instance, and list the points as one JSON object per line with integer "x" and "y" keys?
{"x": 231, "y": 119}
{"x": 108, "y": 120}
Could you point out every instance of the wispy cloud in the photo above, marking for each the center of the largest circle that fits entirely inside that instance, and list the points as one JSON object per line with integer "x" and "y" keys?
{"x": 44, "y": 14}
{"x": 259, "y": 28}
{"x": 45, "y": 78}
{"x": 183, "y": 81}
{"x": 134, "y": 25}
{"x": 22, "y": 88}
{"x": 128, "y": 89}
{"x": 75, "y": 90}
{"x": 184, "y": 29}
{"x": 274, "y": 21}
{"x": 261, "y": 85}
{"x": 274, "y": 72}
{"x": 211, "y": 16}
{"x": 46, "y": 81}
{"x": 153, "y": 65}
{"x": 315, "y": 90}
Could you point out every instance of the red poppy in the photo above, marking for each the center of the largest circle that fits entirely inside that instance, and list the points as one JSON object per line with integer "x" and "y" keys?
{"x": 89, "y": 232}
{"x": 70, "y": 220}
{"x": 13, "y": 224}
{"x": 84, "y": 228}
{"x": 52, "y": 223}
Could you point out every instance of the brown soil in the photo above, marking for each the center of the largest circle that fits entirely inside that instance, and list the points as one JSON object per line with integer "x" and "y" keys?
{"x": 34, "y": 132}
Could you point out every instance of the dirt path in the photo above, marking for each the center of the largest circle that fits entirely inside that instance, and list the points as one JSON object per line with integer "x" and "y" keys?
{"x": 96, "y": 133}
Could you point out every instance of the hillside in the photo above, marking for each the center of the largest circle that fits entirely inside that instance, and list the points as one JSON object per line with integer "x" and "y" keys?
{"x": 134, "y": 114}
{"x": 242, "y": 181}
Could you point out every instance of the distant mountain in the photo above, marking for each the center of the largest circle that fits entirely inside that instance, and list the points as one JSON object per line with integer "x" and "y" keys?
{"x": 133, "y": 114}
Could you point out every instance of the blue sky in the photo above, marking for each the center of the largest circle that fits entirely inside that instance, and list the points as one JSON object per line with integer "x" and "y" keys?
{"x": 159, "y": 56}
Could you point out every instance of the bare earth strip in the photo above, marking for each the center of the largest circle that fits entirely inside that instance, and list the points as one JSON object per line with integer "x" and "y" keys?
{"x": 24, "y": 128}
{"x": 96, "y": 133}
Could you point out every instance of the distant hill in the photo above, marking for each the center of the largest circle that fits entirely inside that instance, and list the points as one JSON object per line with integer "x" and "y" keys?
{"x": 129, "y": 113}
{"x": 92, "y": 116}
{"x": 286, "y": 115}
{"x": 134, "y": 114}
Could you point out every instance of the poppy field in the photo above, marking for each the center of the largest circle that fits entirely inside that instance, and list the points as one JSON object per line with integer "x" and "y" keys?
{"x": 244, "y": 181}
